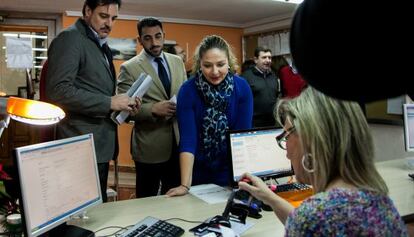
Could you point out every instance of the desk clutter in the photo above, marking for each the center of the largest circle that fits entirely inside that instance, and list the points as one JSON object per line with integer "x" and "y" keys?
{"x": 151, "y": 226}
{"x": 241, "y": 205}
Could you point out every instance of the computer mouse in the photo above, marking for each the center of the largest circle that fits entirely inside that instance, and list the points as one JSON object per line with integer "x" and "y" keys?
{"x": 220, "y": 220}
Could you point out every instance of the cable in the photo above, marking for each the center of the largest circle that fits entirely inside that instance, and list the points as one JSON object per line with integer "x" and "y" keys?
{"x": 180, "y": 219}
{"x": 116, "y": 233}
{"x": 110, "y": 227}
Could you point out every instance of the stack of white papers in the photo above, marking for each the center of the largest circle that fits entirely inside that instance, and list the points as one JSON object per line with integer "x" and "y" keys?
{"x": 138, "y": 89}
{"x": 210, "y": 193}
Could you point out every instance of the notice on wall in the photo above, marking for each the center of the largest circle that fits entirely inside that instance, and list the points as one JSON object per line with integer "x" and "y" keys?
{"x": 394, "y": 105}
{"x": 19, "y": 52}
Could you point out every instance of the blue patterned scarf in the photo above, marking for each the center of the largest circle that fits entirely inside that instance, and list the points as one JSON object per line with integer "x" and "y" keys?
{"x": 215, "y": 121}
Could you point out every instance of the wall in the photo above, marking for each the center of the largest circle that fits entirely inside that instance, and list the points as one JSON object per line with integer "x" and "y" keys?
{"x": 186, "y": 35}
{"x": 250, "y": 46}
{"x": 389, "y": 142}
{"x": 277, "y": 47}
{"x": 10, "y": 78}
{"x": 377, "y": 110}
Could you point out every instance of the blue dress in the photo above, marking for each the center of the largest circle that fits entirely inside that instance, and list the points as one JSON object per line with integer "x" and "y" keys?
{"x": 190, "y": 112}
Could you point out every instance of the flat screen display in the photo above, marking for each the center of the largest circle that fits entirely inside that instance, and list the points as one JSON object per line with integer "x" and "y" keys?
{"x": 408, "y": 112}
{"x": 58, "y": 180}
{"x": 256, "y": 151}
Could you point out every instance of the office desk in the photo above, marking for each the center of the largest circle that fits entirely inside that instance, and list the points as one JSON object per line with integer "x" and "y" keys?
{"x": 400, "y": 186}
{"x": 124, "y": 213}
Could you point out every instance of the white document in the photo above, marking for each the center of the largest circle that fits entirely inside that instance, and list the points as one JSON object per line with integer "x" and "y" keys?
{"x": 210, "y": 193}
{"x": 228, "y": 232}
{"x": 138, "y": 89}
{"x": 173, "y": 99}
{"x": 240, "y": 228}
{"x": 19, "y": 52}
{"x": 175, "y": 123}
{"x": 284, "y": 43}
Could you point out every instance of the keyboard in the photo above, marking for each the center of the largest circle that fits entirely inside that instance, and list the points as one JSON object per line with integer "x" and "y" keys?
{"x": 291, "y": 187}
{"x": 294, "y": 193}
{"x": 153, "y": 227}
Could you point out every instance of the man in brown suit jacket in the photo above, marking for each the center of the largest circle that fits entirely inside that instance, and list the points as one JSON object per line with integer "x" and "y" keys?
{"x": 155, "y": 135}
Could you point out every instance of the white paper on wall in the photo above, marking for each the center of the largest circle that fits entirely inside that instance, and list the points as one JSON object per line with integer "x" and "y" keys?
{"x": 276, "y": 46}
{"x": 395, "y": 105}
{"x": 19, "y": 52}
{"x": 284, "y": 43}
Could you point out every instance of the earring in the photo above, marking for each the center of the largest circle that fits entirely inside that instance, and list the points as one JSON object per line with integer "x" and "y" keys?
{"x": 307, "y": 163}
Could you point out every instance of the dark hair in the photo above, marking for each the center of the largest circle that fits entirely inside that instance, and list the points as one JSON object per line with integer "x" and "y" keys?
{"x": 92, "y": 4}
{"x": 278, "y": 62}
{"x": 247, "y": 64}
{"x": 261, "y": 49}
{"x": 322, "y": 53}
{"x": 148, "y": 22}
{"x": 171, "y": 49}
{"x": 214, "y": 42}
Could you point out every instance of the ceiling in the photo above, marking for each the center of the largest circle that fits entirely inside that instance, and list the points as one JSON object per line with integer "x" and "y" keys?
{"x": 232, "y": 13}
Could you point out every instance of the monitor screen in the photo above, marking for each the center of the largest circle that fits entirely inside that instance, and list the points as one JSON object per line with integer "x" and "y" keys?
{"x": 58, "y": 180}
{"x": 408, "y": 112}
{"x": 256, "y": 151}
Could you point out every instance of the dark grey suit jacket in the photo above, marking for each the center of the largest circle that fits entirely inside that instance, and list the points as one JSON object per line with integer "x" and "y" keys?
{"x": 81, "y": 82}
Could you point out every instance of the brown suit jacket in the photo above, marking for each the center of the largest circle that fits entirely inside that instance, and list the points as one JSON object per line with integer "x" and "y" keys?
{"x": 152, "y": 137}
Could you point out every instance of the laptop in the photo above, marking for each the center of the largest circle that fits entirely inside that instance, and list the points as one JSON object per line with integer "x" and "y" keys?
{"x": 256, "y": 151}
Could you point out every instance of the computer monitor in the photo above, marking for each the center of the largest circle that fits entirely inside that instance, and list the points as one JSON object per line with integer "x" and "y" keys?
{"x": 408, "y": 112}
{"x": 58, "y": 180}
{"x": 256, "y": 151}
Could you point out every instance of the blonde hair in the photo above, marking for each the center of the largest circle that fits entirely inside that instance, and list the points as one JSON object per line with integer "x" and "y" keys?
{"x": 212, "y": 42}
{"x": 336, "y": 135}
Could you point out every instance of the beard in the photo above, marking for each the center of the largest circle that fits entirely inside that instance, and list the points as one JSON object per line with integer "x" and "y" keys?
{"x": 150, "y": 52}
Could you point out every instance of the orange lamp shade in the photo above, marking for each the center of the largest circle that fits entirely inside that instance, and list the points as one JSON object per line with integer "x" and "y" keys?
{"x": 33, "y": 112}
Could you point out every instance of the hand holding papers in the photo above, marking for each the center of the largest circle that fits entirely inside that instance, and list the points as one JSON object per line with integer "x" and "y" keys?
{"x": 138, "y": 89}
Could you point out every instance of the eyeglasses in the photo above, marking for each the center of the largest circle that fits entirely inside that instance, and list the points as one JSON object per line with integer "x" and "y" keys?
{"x": 284, "y": 136}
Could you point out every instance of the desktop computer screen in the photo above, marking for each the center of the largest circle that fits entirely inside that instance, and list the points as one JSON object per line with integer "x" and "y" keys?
{"x": 58, "y": 180}
{"x": 256, "y": 151}
{"x": 408, "y": 112}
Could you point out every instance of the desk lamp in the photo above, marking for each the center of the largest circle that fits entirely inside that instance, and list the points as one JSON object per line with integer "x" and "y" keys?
{"x": 28, "y": 111}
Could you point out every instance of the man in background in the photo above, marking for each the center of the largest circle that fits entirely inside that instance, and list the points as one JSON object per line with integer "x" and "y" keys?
{"x": 177, "y": 50}
{"x": 265, "y": 87}
{"x": 155, "y": 134}
{"x": 81, "y": 80}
